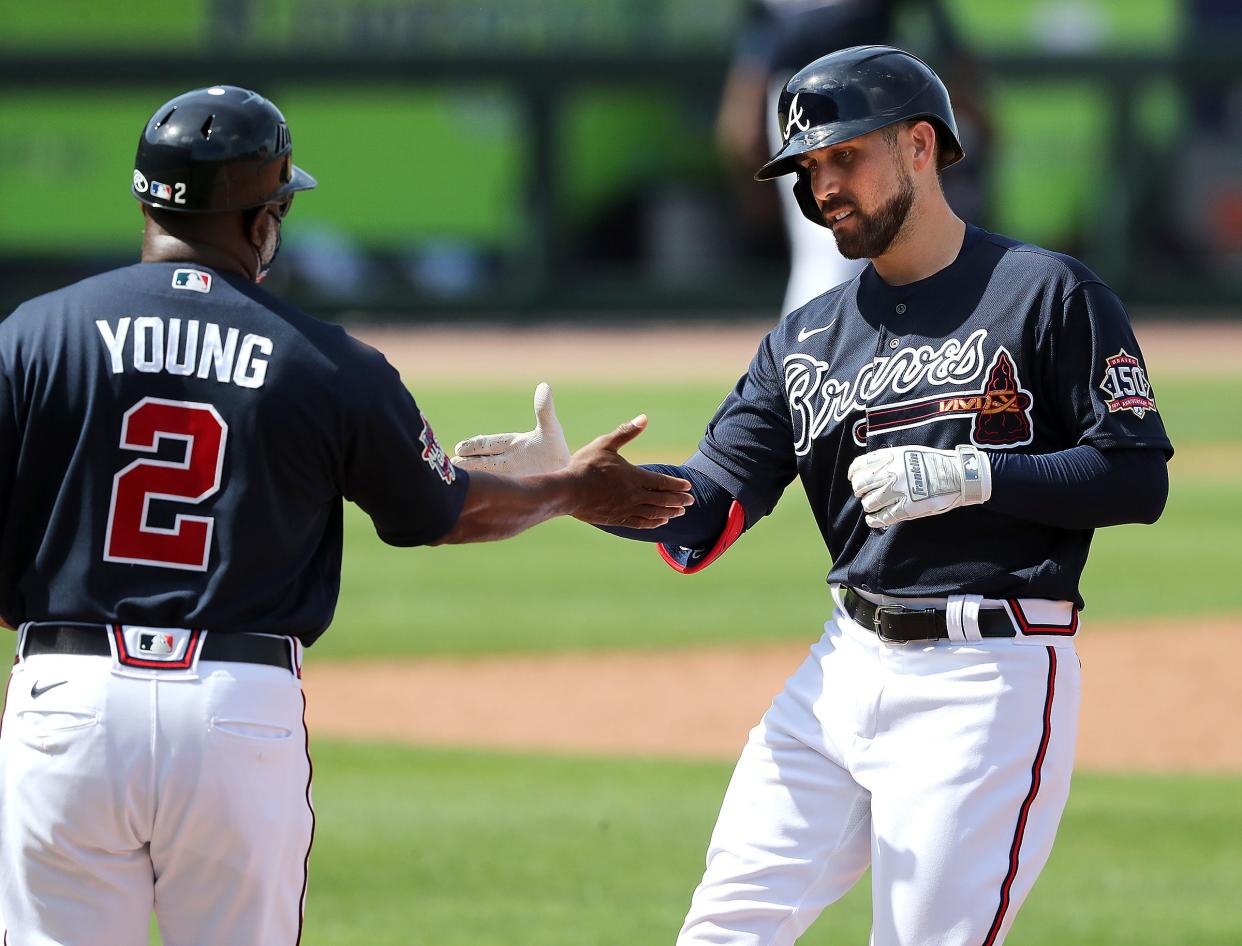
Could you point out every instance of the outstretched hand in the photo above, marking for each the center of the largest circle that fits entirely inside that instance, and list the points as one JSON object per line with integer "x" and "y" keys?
{"x": 613, "y": 492}
{"x": 542, "y": 450}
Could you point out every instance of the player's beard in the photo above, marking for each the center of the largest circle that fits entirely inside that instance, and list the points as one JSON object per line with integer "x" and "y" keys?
{"x": 873, "y": 233}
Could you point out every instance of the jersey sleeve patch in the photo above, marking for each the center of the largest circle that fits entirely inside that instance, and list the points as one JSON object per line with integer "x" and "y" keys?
{"x": 434, "y": 455}
{"x": 687, "y": 561}
{"x": 1125, "y": 382}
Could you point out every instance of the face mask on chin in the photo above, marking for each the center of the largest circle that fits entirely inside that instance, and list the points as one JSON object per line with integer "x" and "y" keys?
{"x": 279, "y": 214}
{"x": 266, "y": 267}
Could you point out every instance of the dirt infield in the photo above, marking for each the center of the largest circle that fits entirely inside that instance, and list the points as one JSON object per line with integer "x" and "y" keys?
{"x": 502, "y": 354}
{"x": 1156, "y": 698}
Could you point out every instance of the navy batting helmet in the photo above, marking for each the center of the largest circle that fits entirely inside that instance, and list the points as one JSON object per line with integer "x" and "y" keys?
{"x": 217, "y": 149}
{"x": 852, "y": 92}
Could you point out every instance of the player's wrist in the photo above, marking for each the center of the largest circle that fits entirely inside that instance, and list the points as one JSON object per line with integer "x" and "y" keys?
{"x": 976, "y": 472}
{"x": 563, "y": 492}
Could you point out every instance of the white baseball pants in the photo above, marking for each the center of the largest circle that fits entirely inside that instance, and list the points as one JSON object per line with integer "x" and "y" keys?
{"x": 944, "y": 766}
{"x": 188, "y": 794}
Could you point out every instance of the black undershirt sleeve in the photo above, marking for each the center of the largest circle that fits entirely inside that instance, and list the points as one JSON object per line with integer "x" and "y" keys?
{"x": 702, "y": 523}
{"x": 1080, "y": 488}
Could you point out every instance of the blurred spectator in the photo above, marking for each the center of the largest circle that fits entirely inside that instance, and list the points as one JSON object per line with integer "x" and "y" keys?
{"x": 778, "y": 38}
{"x": 1207, "y": 209}
{"x": 1215, "y": 25}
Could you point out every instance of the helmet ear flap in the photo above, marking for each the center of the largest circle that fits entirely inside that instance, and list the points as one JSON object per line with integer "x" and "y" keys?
{"x": 806, "y": 198}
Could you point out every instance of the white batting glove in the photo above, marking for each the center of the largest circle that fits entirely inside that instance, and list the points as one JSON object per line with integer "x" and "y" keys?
{"x": 900, "y": 483}
{"x": 542, "y": 450}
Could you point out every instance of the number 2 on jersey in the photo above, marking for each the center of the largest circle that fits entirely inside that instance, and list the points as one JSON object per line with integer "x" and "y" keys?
{"x": 187, "y": 544}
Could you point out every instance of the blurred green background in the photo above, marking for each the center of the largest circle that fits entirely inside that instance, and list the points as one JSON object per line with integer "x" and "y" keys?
{"x": 536, "y": 155}
{"x": 73, "y": 157}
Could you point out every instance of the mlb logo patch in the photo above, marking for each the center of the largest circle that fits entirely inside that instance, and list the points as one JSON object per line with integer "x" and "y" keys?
{"x": 194, "y": 280}
{"x": 161, "y": 191}
{"x": 157, "y": 648}
{"x": 155, "y": 644}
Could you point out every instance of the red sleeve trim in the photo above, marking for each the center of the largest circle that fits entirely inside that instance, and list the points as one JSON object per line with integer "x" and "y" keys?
{"x": 735, "y": 525}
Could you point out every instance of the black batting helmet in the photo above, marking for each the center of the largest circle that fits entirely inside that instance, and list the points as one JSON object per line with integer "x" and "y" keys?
{"x": 852, "y": 92}
{"x": 216, "y": 149}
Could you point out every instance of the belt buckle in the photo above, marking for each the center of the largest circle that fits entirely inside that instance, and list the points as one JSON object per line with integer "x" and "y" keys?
{"x": 877, "y": 623}
{"x": 897, "y": 609}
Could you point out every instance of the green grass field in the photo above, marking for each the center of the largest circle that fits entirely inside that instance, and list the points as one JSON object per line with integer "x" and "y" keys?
{"x": 463, "y": 849}
{"x": 610, "y": 593}
{"x": 475, "y": 849}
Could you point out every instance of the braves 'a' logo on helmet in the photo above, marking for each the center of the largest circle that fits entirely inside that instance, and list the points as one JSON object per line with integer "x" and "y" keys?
{"x": 796, "y": 119}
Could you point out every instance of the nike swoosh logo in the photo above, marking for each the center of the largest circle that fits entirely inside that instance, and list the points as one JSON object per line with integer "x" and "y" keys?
{"x": 808, "y": 332}
{"x": 37, "y": 691}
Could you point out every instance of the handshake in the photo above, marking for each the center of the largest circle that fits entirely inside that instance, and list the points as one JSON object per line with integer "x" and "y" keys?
{"x": 894, "y": 484}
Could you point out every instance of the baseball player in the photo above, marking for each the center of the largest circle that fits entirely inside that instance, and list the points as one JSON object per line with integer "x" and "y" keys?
{"x": 776, "y": 39}
{"x": 174, "y": 447}
{"x": 962, "y": 415}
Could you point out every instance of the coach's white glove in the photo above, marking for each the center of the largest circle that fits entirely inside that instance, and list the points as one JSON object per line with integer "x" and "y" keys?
{"x": 899, "y": 483}
{"x": 542, "y": 450}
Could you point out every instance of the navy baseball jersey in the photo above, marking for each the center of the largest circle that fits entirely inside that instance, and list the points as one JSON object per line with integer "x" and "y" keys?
{"x": 1010, "y": 348}
{"x": 182, "y": 440}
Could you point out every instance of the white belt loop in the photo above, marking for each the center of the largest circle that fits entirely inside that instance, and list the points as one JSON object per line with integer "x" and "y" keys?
{"x": 970, "y": 617}
{"x": 962, "y": 617}
{"x": 295, "y": 645}
{"x": 953, "y": 618}
{"x": 21, "y": 640}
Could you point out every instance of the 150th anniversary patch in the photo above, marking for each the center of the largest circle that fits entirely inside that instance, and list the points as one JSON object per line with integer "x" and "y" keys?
{"x": 1125, "y": 383}
{"x": 434, "y": 454}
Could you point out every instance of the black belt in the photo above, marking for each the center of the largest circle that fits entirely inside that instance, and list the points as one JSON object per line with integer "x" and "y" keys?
{"x": 91, "y": 640}
{"x": 895, "y": 624}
